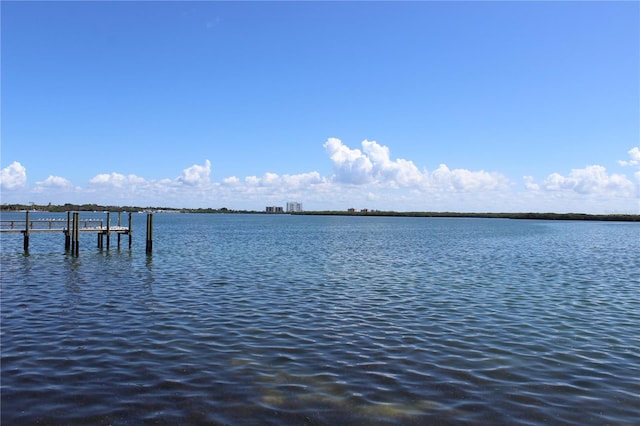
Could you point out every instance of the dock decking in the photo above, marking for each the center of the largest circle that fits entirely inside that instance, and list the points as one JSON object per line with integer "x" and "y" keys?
{"x": 73, "y": 226}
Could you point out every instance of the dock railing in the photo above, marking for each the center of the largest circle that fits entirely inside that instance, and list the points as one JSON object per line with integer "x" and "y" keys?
{"x": 36, "y": 225}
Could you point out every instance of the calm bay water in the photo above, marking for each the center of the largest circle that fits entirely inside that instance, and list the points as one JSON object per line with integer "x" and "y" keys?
{"x": 277, "y": 319}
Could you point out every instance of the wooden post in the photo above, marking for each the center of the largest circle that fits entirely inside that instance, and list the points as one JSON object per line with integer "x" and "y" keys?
{"x": 26, "y": 233}
{"x": 77, "y": 233}
{"x": 149, "y": 233}
{"x": 100, "y": 237}
{"x": 130, "y": 230}
{"x": 73, "y": 234}
{"x": 75, "y": 238}
{"x": 119, "y": 232}
{"x": 108, "y": 230}
{"x": 67, "y": 233}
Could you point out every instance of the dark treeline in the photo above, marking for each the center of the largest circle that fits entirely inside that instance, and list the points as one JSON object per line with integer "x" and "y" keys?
{"x": 546, "y": 216}
{"x": 72, "y": 207}
{"x": 100, "y": 208}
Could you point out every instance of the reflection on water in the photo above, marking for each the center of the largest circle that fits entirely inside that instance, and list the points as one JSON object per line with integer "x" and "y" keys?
{"x": 339, "y": 320}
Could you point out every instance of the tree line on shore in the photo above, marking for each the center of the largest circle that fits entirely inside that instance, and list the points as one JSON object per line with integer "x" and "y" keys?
{"x": 531, "y": 215}
{"x": 52, "y": 208}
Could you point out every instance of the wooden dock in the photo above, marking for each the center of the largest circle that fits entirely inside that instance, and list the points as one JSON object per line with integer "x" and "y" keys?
{"x": 73, "y": 226}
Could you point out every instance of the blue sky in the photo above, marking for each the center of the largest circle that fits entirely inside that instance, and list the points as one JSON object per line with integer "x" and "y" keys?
{"x": 430, "y": 106}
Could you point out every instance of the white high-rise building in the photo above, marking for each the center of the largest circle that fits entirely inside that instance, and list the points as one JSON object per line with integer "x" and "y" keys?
{"x": 293, "y": 206}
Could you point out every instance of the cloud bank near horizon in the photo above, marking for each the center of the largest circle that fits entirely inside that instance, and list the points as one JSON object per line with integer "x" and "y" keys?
{"x": 360, "y": 175}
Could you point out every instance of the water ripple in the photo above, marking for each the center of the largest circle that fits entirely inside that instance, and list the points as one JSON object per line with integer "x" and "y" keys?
{"x": 309, "y": 320}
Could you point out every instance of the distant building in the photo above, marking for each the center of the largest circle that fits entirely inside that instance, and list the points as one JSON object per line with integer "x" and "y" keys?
{"x": 274, "y": 209}
{"x": 293, "y": 206}
{"x": 352, "y": 210}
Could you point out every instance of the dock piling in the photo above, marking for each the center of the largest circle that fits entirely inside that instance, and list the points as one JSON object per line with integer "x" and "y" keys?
{"x": 26, "y": 233}
{"x": 78, "y": 233}
{"x": 67, "y": 233}
{"x": 108, "y": 230}
{"x": 75, "y": 236}
{"x": 118, "y": 232}
{"x": 149, "y": 248}
{"x": 73, "y": 233}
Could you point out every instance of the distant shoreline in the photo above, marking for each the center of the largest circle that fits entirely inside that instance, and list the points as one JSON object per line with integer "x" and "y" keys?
{"x": 529, "y": 215}
{"x": 616, "y": 217}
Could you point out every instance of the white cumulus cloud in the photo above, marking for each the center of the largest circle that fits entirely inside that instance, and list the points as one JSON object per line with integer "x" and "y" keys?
{"x": 116, "y": 180}
{"x": 374, "y": 165}
{"x": 55, "y": 182}
{"x": 634, "y": 157}
{"x": 14, "y": 176}
{"x": 349, "y": 165}
{"x": 592, "y": 179}
{"x": 280, "y": 182}
{"x": 530, "y": 184}
{"x": 302, "y": 180}
{"x": 398, "y": 172}
{"x": 196, "y": 175}
{"x": 371, "y": 164}
{"x": 462, "y": 180}
{"x": 231, "y": 180}
{"x": 269, "y": 179}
